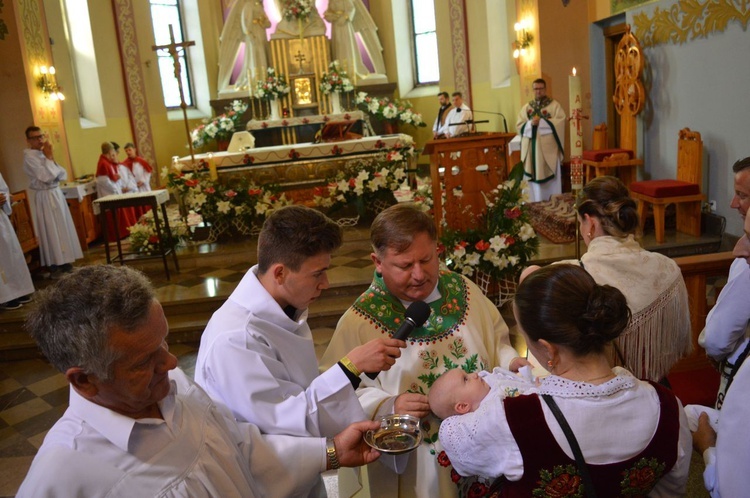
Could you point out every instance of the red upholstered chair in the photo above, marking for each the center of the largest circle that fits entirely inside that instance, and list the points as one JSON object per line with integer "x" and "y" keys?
{"x": 685, "y": 191}
{"x": 602, "y": 160}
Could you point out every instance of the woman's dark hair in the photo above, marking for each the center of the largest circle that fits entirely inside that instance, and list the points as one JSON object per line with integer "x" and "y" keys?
{"x": 563, "y": 305}
{"x": 607, "y": 199}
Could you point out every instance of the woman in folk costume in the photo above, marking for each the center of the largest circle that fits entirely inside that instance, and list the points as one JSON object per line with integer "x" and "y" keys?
{"x": 633, "y": 435}
{"x": 659, "y": 332}
{"x": 109, "y": 182}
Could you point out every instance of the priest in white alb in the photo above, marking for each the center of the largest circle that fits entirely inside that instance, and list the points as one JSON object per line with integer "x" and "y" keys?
{"x": 59, "y": 246}
{"x": 15, "y": 280}
{"x": 541, "y": 124}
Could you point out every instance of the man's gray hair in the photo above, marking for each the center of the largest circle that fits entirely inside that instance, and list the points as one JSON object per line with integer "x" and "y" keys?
{"x": 73, "y": 319}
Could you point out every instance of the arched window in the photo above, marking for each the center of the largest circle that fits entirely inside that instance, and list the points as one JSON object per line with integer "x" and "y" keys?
{"x": 425, "y": 49}
{"x": 166, "y": 14}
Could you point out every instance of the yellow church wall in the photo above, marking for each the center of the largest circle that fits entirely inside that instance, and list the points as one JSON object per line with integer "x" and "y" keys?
{"x": 15, "y": 106}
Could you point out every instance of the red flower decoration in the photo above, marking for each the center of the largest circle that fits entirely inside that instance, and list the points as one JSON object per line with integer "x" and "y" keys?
{"x": 285, "y": 123}
{"x": 202, "y": 164}
{"x": 191, "y": 183}
{"x": 230, "y": 193}
{"x": 441, "y": 248}
{"x": 510, "y": 240}
{"x": 379, "y": 144}
{"x": 477, "y": 490}
{"x": 264, "y": 125}
{"x": 293, "y": 154}
{"x": 254, "y": 191}
{"x": 305, "y": 120}
{"x": 326, "y": 119}
{"x": 455, "y": 477}
{"x": 443, "y": 459}
{"x": 248, "y": 159}
{"x": 210, "y": 190}
{"x": 336, "y": 150}
{"x": 482, "y": 245}
{"x": 347, "y": 116}
{"x": 513, "y": 213}
{"x": 153, "y": 239}
{"x": 352, "y": 182}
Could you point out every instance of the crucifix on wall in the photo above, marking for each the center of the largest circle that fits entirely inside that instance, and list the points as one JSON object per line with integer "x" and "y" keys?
{"x": 175, "y": 51}
{"x": 300, "y": 58}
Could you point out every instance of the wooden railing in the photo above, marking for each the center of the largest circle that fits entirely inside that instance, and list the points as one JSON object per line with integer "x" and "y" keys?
{"x": 696, "y": 270}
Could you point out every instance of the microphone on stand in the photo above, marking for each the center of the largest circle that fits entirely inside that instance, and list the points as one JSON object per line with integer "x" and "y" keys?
{"x": 416, "y": 314}
{"x": 505, "y": 123}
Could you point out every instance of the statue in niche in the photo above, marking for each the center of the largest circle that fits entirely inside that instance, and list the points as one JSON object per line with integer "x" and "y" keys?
{"x": 347, "y": 18}
{"x": 247, "y": 22}
{"x": 312, "y": 26}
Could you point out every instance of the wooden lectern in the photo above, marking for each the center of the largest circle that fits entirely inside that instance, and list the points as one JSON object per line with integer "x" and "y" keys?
{"x": 472, "y": 166}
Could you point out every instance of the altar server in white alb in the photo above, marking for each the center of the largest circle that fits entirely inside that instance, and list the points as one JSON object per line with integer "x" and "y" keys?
{"x": 457, "y": 121}
{"x": 58, "y": 241}
{"x": 138, "y": 426}
{"x": 257, "y": 354}
{"x": 15, "y": 280}
{"x": 541, "y": 124}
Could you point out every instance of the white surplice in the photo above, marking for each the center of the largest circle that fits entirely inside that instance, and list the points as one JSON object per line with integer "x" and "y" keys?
{"x": 457, "y": 117}
{"x": 15, "y": 280}
{"x": 58, "y": 240}
{"x": 197, "y": 450}
{"x": 478, "y": 340}
{"x": 128, "y": 182}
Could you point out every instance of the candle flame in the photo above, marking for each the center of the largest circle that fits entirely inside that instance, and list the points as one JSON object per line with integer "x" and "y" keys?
{"x": 574, "y": 71}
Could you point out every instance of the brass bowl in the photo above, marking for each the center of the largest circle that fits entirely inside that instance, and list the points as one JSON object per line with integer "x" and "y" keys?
{"x": 398, "y": 434}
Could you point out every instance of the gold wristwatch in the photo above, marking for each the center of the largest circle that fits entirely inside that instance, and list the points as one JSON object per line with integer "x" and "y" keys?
{"x": 333, "y": 458}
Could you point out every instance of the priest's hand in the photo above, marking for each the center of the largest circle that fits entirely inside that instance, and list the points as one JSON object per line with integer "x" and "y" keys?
{"x": 518, "y": 362}
{"x": 3, "y": 199}
{"x": 535, "y": 121}
{"x": 376, "y": 355}
{"x": 351, "y": 448}
{"x": 412, "y": 404}
{"x": 705, "y": 436}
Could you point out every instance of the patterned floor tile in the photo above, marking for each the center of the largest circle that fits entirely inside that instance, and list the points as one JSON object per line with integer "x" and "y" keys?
{"x": 25, "y": 410}
{"x": 15, "y": 398}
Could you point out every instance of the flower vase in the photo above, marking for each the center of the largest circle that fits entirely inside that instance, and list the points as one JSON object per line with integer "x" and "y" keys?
{"x": 222, "y": 144}
{"x": 336, "y": 103}
{"x": 274, "y": 105}
{"x": 390, "y": 127}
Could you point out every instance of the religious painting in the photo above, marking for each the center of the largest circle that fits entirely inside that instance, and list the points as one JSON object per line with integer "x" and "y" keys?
{"x": 623, "y": 5}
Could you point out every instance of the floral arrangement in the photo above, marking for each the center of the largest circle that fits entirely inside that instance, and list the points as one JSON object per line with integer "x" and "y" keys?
{"x": 237, "y": 201}
{"x": 390, "y": 110}
{"x": 365, "y": 183}
{"x": 273, "y": 87}
{"x": 297, "y": 9}
{"x": 144, "y": 239}
{"x": 504, "y": 240}
{"x": 221, "y": 127}
{"x": 336, "y": 80}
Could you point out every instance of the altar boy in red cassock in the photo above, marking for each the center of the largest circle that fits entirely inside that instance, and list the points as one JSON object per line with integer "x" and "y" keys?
{"x": 109, "y": 182}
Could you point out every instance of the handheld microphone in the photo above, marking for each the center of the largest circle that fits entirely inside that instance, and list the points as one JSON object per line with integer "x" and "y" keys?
{"x": 416, "y": 314}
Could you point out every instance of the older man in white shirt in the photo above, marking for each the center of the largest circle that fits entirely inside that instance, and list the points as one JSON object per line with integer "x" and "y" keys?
{"x": 459, "y": 120}
{"x": 136, "y": 426}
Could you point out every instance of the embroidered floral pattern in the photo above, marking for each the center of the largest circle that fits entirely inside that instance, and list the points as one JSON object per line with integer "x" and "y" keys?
{"x": 641, "y": 478}
{"x": 563, "y": 482}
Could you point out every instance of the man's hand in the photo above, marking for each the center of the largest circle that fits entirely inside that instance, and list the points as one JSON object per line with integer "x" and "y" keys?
{"x": 351, "y": 447}
{"x": 412, "y": 404}
{"x": 47, "y": 150}
{"x": 535, "y": 121}
{"x": 3, "y": 199}
{"x": 705, "y": 436}
{"x": 376, "y": 355}
{"x": 517, "y": 363}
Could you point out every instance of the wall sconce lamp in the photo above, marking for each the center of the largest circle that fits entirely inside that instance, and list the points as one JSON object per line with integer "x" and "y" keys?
{"x": 47, "y": 83}
{"x": 523, "y": 38}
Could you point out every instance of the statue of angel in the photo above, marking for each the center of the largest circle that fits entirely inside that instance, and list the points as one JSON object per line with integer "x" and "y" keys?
{"x": 247, "y": 22}
{"x": 348, "y": 17}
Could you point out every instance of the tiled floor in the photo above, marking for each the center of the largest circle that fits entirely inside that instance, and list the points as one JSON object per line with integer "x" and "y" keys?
{"x": 33, "y": 395}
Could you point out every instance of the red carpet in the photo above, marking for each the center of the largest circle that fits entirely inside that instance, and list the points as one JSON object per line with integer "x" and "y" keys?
{"x": 695, "y": 387}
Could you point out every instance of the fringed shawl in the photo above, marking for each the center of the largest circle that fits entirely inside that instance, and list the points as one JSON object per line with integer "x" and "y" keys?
{"x": 659, "y": 333}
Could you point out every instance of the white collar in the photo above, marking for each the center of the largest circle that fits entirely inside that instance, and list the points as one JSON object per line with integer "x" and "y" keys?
{"x": 564, "y": 388}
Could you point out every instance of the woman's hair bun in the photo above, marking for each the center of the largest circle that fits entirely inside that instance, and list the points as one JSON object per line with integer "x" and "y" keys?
{"x": 606, "y": 317}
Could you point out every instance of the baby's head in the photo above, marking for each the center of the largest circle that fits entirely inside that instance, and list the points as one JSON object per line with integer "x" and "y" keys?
{"x": 456, "y": 392}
